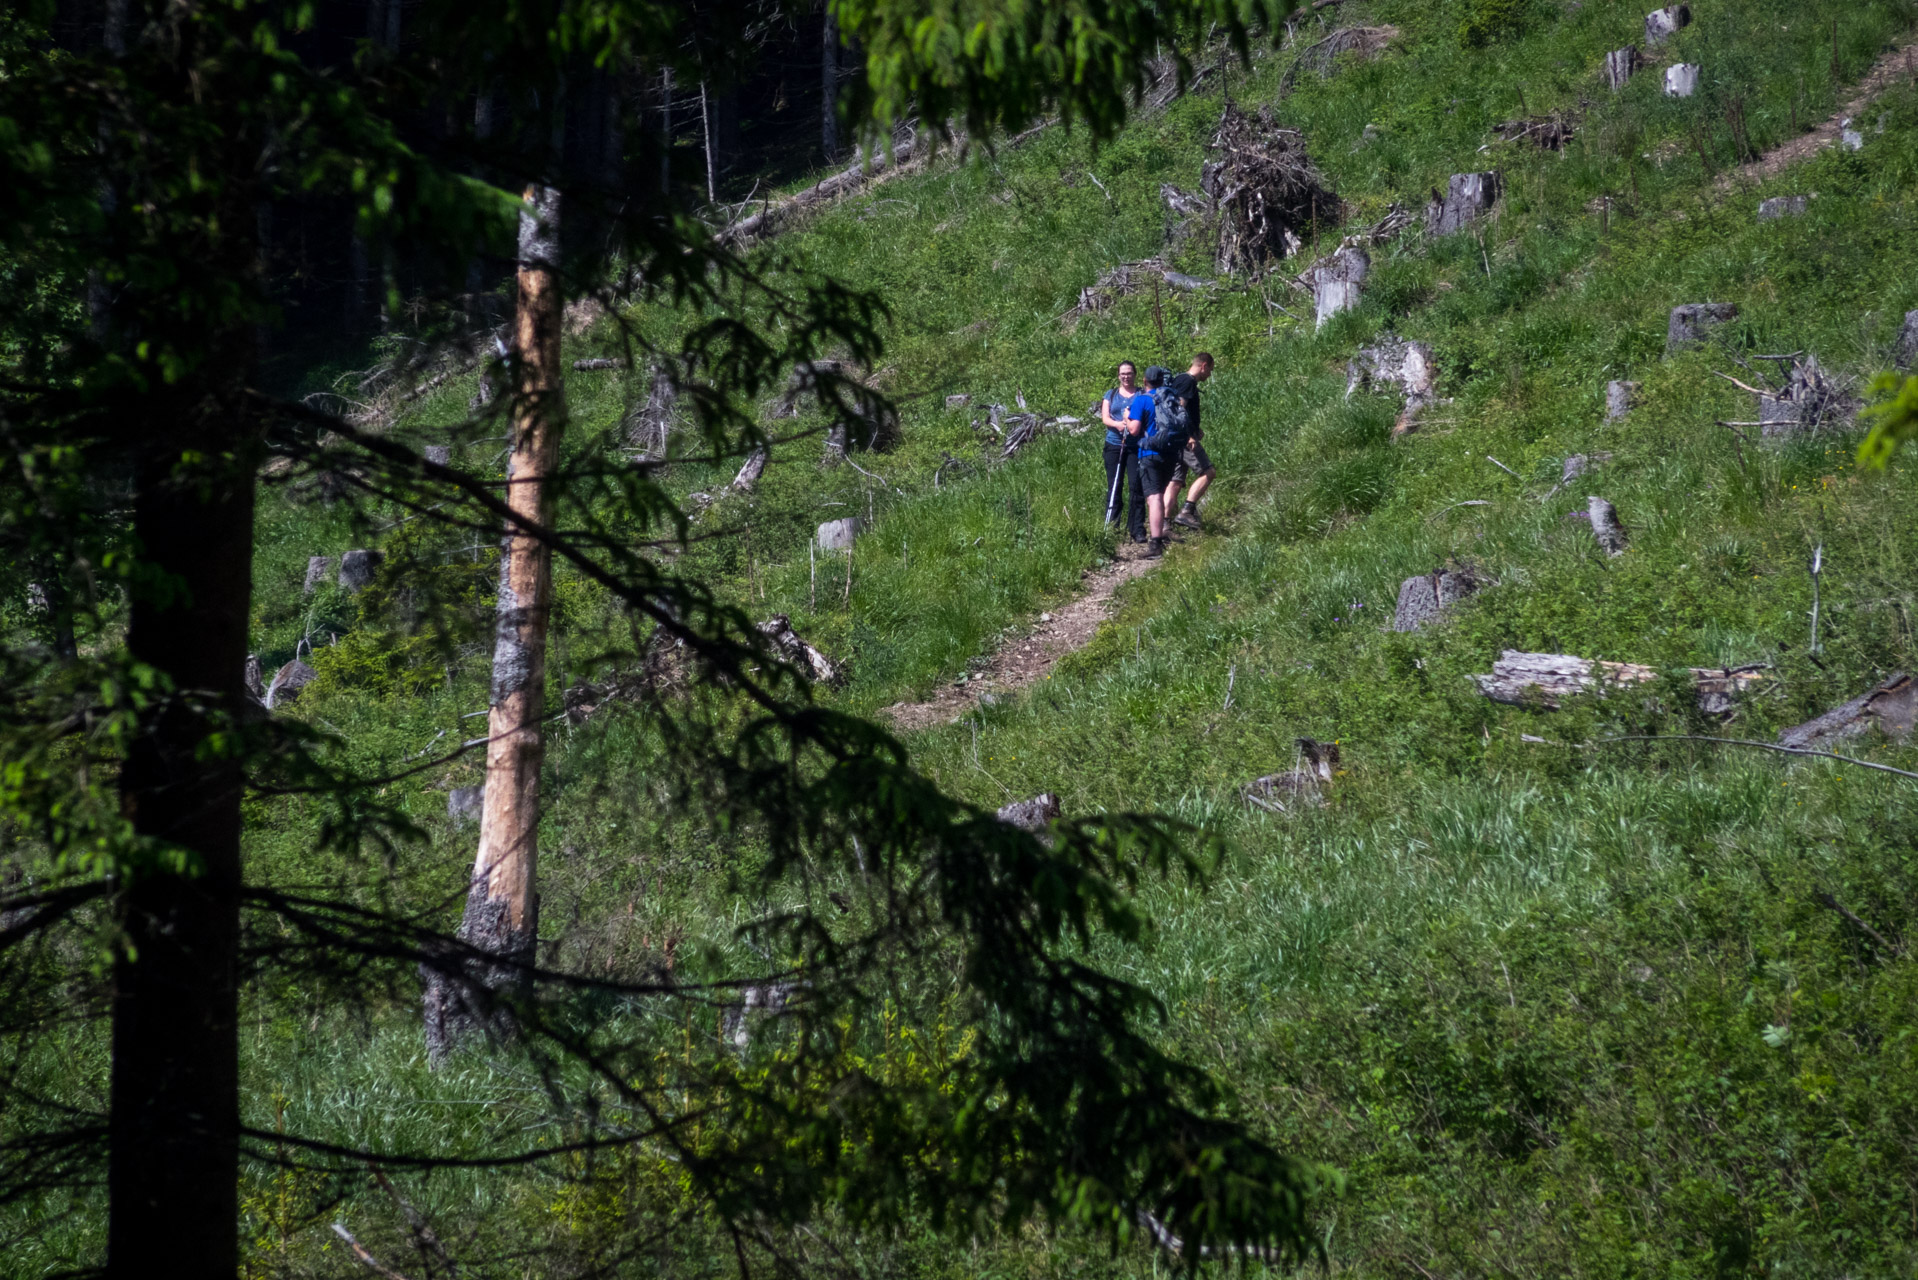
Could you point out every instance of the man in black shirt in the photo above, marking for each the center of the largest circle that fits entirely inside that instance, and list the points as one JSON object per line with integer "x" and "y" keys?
{"x": 1191, "y": 463}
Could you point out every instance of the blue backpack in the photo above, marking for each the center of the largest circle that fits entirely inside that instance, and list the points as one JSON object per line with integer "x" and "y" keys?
{"x": 1168, "y": 422}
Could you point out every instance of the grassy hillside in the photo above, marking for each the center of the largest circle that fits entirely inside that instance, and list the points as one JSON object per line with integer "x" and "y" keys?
{"x": 1556, "y": 1008}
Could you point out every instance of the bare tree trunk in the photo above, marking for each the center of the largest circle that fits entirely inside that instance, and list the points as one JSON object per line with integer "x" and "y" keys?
{"x": 706, "y": 131}
{"x": 502, "y": 904}
{"x": 666, "y": 131}
{"x": 173, "y": 1112}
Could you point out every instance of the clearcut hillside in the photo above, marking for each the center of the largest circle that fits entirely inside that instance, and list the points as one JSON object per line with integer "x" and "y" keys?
{"x": 1557, "y": 999}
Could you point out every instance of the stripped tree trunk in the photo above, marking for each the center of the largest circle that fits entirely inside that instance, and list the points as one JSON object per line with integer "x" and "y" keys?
{"x": 502, "y": 904}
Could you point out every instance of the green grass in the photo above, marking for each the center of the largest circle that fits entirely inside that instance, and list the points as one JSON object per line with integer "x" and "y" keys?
{"x": 1557, "y": 1010}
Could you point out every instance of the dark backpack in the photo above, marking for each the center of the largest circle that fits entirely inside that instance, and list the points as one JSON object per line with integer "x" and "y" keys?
{"x": 1168, "y": 421}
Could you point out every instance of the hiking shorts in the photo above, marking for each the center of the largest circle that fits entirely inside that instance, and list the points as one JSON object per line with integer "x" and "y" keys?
{"x": 1155, "y": 470}
{"x": 1193, "y": 462}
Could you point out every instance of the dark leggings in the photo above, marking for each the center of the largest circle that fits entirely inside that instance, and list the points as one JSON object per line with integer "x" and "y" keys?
{"x": 1127, "y": 456}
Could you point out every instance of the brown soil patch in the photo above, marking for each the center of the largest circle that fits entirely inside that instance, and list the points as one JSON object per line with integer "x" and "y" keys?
{"x": 1023, "y": 662}
{"x": 1901, "y": 61}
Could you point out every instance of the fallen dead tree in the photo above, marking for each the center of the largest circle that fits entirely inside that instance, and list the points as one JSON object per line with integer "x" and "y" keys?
{"x": 1547, "y": 133}
{"x": 775, "y": 215}
{"x": 1891, "y": 708}
{"x": 1114, "y": 283}
{"x": 795, "y": 649}
{"x": 1545, "y": 680}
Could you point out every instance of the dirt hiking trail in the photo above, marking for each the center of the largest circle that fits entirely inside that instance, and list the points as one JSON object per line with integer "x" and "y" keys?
{"x": 1894, "y": 64}
{"x": 1020, "y": 663}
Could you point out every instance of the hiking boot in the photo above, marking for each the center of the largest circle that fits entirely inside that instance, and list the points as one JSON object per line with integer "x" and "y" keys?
{"x": 1188, "y": 516}
{"x": 1154, "y": 549}
{"x": 1140, "y": 538}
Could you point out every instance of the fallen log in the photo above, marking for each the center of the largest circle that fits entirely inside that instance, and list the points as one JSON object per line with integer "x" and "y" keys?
{"x": 825, "y": 191}
{"x": 1891, "y": 708}
{"x": 1545, "y": 680}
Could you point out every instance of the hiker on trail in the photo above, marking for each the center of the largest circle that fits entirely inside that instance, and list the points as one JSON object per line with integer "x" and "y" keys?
{"x": 1157, "y": 443}
{"x": 1122, "y": 453}
{"x": 1191, "y": 462}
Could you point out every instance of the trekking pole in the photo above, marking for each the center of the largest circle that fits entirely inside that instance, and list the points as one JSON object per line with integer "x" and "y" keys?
{"x": 1112, "y": 499}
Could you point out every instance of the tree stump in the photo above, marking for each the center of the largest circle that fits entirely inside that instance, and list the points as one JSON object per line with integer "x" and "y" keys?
{"x": 287, "y": 683}
{"x": 751, "y": 469}
{"x": 1891, "y": 708}
{"x": 255, "y": 679}
{"x": 1905, "y": 353}
{"x": 1781, "y": 207}
{"x": 1662, "y": 24}
{"x": 1335, "y": 283}
{"x": 1468, "y": 197}
{"x": 1619, "y": 66}
{"x": 1278, "y": 792}
{"x": 1849, "y": 138}
{"x": 1681, "y": 80}
{"x": 1581, "y": 464}
{"x": 1618, "y": 400}
{"x": 1033, "y": 815}
{"x": 438, "y": 454}
{"x": 1692, "y": 323}
{"x": 358, "y": 569}
{"x": 959, "y": 401}
{"x": 317, "y": 567}
{"x": 466, "y": 804}
{"x": 1426, "y": 598}
{"x": 1807, "y": 401}
{"x": 838, "y": 535}
{"x": 1607, "y": 529}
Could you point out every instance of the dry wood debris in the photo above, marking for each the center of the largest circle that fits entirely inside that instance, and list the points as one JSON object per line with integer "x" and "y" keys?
{"x": 1269, "y": 196}
{"x": 1891, "y": 708}
{"x": 1545, "y": 680}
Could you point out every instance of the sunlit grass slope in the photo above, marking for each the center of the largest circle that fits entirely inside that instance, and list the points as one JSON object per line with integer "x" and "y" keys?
{"x": 1559, "y": 1006}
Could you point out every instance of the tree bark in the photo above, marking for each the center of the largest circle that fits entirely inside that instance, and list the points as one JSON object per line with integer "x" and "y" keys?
{"x": 502, "y": 904}
{"x": 829, "y": 89}
{"x": 173, "y": 1162}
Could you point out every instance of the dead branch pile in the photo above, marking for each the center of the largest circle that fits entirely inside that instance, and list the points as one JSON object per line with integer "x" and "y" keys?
{"x": 1802, "y": 398}
{"x": 650, "y": 424}
{"x": 1547, "y": 133}
{"x": 1114, "y": 283}
{"x": 1269, "y": 196}
{"x": 1303, "y": 784}
{"x": 839, "y": 388}
{"x": 1317, "y": 58}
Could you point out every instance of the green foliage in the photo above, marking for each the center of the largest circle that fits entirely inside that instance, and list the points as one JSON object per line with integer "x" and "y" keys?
{"x": 1893, "y": 415}
{"x": 1486, "y": 22}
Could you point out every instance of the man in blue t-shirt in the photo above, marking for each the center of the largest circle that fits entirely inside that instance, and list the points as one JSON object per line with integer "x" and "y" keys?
{"x": 1122, "y": 455}
{"x": 1155, "y": 468}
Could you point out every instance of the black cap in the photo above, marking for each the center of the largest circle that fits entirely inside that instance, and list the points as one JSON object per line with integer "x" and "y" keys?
{"x": 1154, "y": 376}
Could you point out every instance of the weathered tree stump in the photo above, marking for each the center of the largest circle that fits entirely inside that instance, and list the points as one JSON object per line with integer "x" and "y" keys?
{"x": 358, "y": 569}
{"x": 1849, "y": 138}
{"x": 959, "y": 401}
{"x": 1304, "y": 785}
{"x": 1407, "y": 365}
{"x": 1662, "y": 24}
{"x": 465, "y": 804}
{"x": 1891, "y": 708}
{"x": 1033, "y": 815}
{"x": 1468, "y": 197}
{"x": 1781, "y": 207}
{"x": 838, "y": 535}
{"x": 750, "y": 470}
{"x": 1905, "y": 352}
{"x": 1545, "y": 680}
{"x": 1607, "y": 529}
{"x": 440, "y": 455}
{"x": 1580, "y": 464}
{"x": 1335, "y": 283}
{"x": 254, "y": 679}
{"x": 1618, "y": 400}
{"x": 1681, "y": 80}
{"x": 317, "y": 567}
{"x": 1426, "y": 598}
{"x": 1693, "y": 322}
{"x": 1620, "y": 64}
{"x": 287, "y": 683}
